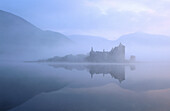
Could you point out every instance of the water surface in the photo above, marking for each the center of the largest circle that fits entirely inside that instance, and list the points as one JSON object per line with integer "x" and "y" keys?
{"x": 84, "y": 87}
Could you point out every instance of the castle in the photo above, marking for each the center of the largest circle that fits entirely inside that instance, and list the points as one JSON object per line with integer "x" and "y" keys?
{"x": 116, "y": 54}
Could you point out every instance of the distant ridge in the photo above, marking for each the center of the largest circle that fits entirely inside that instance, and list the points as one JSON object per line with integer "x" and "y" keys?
{"x": 19, "y": 37}
{"x": 141, "y": 38}
{"x": 146, "y": 47}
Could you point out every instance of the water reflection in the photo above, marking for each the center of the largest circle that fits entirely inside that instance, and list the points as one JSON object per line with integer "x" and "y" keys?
{"x": 104, "y": 94}
{"x": 116, "y": 71}
{"x": 146, "y": 88}
{"x": 21, "y": 83}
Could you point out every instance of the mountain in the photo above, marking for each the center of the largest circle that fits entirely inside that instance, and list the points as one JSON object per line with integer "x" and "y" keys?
{"x": 146, "y": 46}
{"x": 20, "y": 38}
{"x": 144, "y": 39}
{"x": 88, "y": 39}
{"x": 83, "y": 43}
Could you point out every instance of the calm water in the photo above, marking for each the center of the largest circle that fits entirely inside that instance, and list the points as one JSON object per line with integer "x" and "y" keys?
{"x": 84, "y": 87}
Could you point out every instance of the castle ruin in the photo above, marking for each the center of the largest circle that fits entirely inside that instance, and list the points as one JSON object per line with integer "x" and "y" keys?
{"x": 116, "y": 54}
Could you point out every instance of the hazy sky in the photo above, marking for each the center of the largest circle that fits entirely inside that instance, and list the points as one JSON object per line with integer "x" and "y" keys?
{"x": 107, "y": 18}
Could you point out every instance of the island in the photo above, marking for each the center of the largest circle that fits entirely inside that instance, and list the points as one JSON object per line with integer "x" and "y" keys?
{"x": 115, "y": 55}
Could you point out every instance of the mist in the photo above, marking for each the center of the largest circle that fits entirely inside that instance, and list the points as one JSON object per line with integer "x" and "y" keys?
{"x": 23, "y": 41}
{"x": 84, "y": 55}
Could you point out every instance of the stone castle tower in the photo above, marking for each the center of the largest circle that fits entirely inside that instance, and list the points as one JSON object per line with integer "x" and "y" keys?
{"x": 116, "y": 54}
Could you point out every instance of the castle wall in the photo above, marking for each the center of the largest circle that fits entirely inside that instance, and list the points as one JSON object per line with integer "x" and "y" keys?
{"x": 115, "y": 55}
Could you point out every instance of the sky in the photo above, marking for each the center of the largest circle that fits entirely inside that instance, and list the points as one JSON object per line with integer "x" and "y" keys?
{"x": 106, "y": 18}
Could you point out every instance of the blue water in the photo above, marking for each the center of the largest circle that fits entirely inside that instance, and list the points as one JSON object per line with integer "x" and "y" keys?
{"x": 84, "y": 87}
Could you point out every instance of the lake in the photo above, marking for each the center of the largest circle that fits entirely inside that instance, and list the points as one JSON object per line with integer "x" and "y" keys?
{"x": 84, "y": 87}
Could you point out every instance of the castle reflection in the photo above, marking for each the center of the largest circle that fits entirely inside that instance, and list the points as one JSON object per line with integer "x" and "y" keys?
{"x": 116, "y": 71}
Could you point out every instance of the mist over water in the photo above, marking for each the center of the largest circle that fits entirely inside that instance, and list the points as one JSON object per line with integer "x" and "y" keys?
{"x": 97, "y": 87}
{"x": 83, "y": 65}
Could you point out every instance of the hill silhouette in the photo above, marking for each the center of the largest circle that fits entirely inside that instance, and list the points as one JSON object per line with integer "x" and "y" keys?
{"x": 19, "y": 37}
